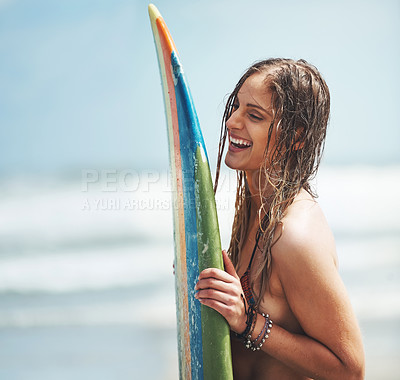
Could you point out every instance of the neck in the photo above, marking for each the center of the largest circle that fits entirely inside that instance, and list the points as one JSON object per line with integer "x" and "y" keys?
{"x": 253, "y": 180}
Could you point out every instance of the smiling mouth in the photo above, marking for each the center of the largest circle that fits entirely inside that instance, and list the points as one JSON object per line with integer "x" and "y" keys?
{"x": 239, "y": 143}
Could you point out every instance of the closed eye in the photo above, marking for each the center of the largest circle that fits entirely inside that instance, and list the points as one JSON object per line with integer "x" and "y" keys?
{"x": 255, "y": 117}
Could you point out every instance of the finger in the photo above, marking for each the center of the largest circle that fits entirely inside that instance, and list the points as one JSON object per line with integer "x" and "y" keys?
{"x": 217, "y": 274}
{"x": 214, "y": 304}
{"x": 216, "y": 295}
{"x": 212, "y": 283}
{"x": 220, "y": 307}
{"x": 229, "y": 268}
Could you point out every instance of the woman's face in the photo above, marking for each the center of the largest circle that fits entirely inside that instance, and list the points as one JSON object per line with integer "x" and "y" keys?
{"x": 249, "y": 124}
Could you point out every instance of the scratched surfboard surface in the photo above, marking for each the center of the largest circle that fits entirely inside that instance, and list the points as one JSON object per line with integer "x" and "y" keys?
{"x": 203, "y": 334}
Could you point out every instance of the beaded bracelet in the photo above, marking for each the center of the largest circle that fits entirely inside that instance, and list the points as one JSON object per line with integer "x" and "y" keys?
{"x": 265, "y": 331}
{"x": 262, "y": 330}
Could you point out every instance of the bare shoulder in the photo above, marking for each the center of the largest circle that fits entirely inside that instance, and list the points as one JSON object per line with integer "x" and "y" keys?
{"x": 304, "y": 234}
{"x": 306, "y": 265}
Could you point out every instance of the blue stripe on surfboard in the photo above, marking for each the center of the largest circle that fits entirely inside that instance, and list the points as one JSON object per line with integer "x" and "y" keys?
{"x": 188, "y": 111}
{"x": 189, "y": 135}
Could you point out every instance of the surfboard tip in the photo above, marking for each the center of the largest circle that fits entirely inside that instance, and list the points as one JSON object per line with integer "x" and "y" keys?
{"x": 153, "y": 12}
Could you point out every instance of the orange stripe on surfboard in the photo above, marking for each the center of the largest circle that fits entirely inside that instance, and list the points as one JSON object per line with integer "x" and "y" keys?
{"x": 168, "y": 46}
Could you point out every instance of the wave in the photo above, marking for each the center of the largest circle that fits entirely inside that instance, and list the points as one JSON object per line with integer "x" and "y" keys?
{"x": 157, "y": 311}
{"x": 86, "y": 270}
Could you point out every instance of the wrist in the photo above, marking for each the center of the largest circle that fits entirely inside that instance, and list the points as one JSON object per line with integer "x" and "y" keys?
{"x": 251, "y": 319}
{"x": 241, "y": 327}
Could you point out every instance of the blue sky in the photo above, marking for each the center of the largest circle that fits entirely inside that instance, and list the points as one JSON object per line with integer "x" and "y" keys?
{"x": 80, "y": 86}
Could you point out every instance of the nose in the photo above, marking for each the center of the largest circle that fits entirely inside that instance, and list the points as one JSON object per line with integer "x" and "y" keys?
{"x": 235, "y": 121}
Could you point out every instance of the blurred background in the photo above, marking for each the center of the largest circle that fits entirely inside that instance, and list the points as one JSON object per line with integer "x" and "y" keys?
{"x": 86, "y": 250}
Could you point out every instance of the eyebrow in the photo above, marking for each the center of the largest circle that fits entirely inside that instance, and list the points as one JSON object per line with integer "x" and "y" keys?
{"x": 259, "y": 107}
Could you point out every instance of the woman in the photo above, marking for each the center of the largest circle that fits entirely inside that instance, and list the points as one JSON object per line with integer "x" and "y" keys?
{"x": 281, "y": 292}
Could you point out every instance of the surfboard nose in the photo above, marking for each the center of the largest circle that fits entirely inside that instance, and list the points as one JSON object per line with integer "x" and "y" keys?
{"x": 160, "y": 30}
{"x": 153, "y": 12}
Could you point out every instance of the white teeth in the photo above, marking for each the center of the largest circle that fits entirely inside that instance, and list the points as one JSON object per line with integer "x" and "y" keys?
{"x": 239, "y": 141}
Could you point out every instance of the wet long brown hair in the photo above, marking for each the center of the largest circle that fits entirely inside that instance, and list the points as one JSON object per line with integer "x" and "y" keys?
{"x": 300, "y": 105}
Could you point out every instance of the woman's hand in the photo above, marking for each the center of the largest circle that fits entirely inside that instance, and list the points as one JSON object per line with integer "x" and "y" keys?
{"x": 222, "y": 291}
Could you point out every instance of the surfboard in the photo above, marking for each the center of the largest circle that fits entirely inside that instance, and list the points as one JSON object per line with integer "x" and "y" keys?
{"x": 203, "y": 334}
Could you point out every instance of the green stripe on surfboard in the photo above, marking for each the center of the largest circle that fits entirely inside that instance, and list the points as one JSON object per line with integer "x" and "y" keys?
{"x": 217, "y": 359}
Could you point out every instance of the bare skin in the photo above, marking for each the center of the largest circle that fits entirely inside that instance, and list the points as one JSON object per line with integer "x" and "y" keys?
{"x": 315, "y": 333}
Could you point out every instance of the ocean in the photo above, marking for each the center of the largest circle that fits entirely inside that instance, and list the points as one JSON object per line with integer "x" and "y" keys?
{"x": 86, "y": 277}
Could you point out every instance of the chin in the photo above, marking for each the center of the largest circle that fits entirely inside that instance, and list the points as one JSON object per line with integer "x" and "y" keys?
{"x": 230, "y": 164}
